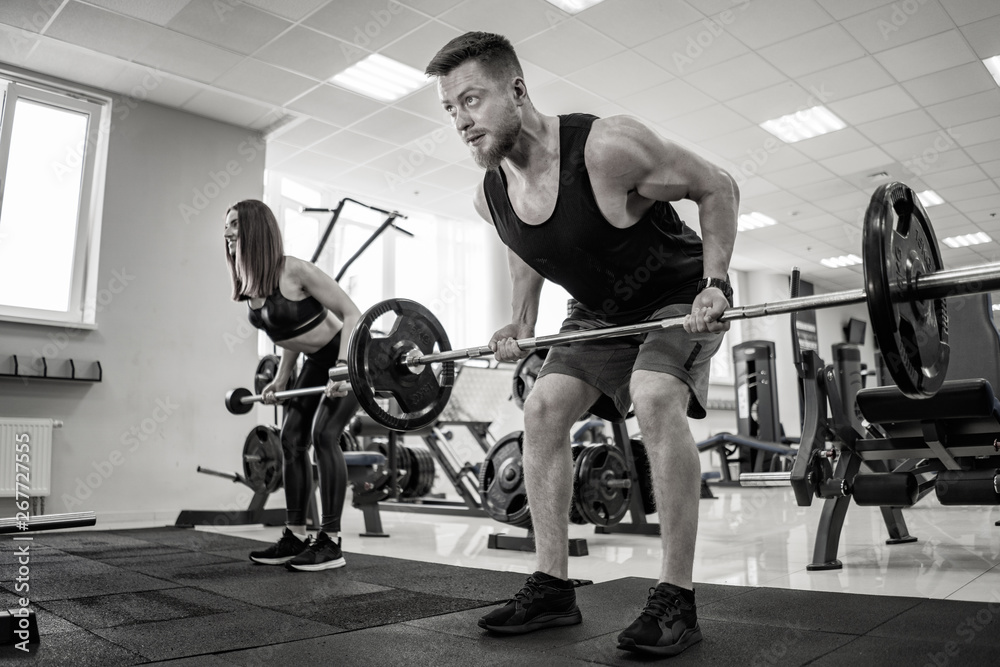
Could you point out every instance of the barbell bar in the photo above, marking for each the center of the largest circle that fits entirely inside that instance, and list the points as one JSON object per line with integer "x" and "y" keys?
{"x": 905, "y": 287}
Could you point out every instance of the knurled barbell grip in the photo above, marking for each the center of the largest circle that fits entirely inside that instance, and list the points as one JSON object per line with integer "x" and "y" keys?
{"x": 288, "y": 393}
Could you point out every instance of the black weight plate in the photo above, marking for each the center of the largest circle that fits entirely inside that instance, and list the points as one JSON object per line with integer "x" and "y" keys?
{"x": 899, "y": 247}
{"x": 501, "y": 482}
{"x": 267, "y": 367}
{"x": 574, "y": 512}
{"x": 598, "y": 503}
{"x": 643, "y": 474}
{"x": 377, "y": 370}
{"x": 525, "y": 374}
{"x": 262, "y": 459}
{"x": 234, "y": 402}
{"x": 421, "y": 477}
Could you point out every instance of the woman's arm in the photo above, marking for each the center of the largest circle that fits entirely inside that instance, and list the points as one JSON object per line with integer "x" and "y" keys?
{"x": 325, "y": 289}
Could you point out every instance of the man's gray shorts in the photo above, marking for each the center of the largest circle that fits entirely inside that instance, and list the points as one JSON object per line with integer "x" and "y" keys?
{"x": 607, "y": 364}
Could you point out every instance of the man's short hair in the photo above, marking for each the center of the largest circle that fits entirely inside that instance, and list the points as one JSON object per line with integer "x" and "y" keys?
{"x": 494, "y": 52}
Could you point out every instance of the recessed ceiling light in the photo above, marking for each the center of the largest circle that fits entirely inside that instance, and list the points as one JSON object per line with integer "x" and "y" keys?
{"x": 754, "y": 220}
{"x": 966, "y": 240}
{"x": 929, "y": 198}
{"x": 382, "y": 78}
{"x": 804, "y": 124}
{"x": 839, "y": 262}
{"x": 573, "y": 6}
{"x": 993, "y": 65}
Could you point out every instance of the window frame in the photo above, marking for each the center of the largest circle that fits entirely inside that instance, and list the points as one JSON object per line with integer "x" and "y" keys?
{"x": 82, "y": 309}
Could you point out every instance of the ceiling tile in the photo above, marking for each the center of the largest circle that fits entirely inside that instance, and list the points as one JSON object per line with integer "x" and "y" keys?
{"x": 900, "y": 126}
{"x": 825, "y": 189}
{"x": 978, "y": 132}
{"x": 365, "y": 25}
{"x": 923, "y": 145}
{"x": 29, "y": 15}
{"x": 186, "y": 56}
{"x": 289, "y": 9}
{"x": 157, "y": 86}
{"x": 225, "y": 107}
{"x": 770, "y": 158}
{"x": 306, "y": 133}
{"x": 896, "y": 24}
{"x": 229, "y": 25}
{"x": 425, "y": 102}
{"x": 404, "y": 166}
{"x": 335, "y": 105}
{"x": 692, "y": 48}
{"x": 266, "y": 82}
{"x": 352, "y": 146}
{"x": 967, "y": 109}
{"x": 429, "y": 7}
{"x": 519, "y": 20}
{"x": 708, "y": 123}
{"x": 102, "y": 31}
{"x": 816, "y": 50}
{"x": 278, "y": 153}
{"x": 74, "y": 63}
{"x": 853, "y": 78}
{"x": 620, "y": 75}
{"x": 556, "y": 49}
{"x": 309, "y": 52}
{"x": 733, "y": 78}
{"x": 876, "y": 104}
{"x": 754, "y": 22}
{"x": 633, "y": 22}
{"x": 950, "y": 84}
{"x": 968, "y": 190}
{"x": 865, "y": 159}
{"x": 963, "y": 11}
{"x": 984, "y": 37}
{"x": 159, "y": 12}
{"x": 774, "y": 102}
{"x": 992, "y": 168}
{"x": 833, "y": 143}
{"x": 841, "y": 9}
{"x": 955, "y": 177}
{"x": 988, "y": 203}
{"x": 395, "y": 125}
{"x": 316, "y": 165}
{"x": 926, "y": 56}
{"x": 986, "y": 152}
{"x": 797, "y": 176}
{"x": 667, "y": 100}
{"x": 740, "y": 144}
{"x": 560, "y": 97}
{"x": 932, "y": 160}
{"x": 419, "y": 47}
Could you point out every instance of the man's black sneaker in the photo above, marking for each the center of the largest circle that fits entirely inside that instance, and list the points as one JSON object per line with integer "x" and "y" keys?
{"x": 667, "y": 626}
{"x": 322, "y": 554}
{"x": 544, "y": 602}
{"x": 287, "y": 548}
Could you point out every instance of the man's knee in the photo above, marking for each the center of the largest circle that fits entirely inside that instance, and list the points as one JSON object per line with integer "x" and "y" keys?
{"x": 660, "y": 396}
{"x": 548, "y": 407}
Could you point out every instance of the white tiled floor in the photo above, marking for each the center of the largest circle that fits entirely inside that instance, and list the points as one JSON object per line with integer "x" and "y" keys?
{"x": 750, "y": 537}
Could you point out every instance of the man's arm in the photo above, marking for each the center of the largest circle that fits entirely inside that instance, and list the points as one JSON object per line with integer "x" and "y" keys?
{"x": 630, "y": 158}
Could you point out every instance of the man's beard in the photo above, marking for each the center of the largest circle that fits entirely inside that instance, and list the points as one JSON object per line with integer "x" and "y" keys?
{"x": 504, "y": 139}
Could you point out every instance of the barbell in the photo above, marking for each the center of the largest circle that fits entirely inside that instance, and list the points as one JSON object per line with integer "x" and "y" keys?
{"x": 905, "y": 289}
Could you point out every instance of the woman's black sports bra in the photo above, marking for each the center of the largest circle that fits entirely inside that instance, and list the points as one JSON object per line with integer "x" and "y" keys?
{"x": 282, "y": 319}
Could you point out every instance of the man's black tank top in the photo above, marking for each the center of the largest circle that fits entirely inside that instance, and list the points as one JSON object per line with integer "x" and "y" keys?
{"x": 623, "y": 275}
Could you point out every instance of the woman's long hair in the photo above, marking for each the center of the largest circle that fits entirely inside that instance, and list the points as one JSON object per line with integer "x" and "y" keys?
{"x": 256, "y": 265}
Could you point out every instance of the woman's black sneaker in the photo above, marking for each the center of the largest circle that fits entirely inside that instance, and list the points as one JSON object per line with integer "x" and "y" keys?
{"x": 322, "y": 554}
{"x": 667, "y": 626}
{"x": 287, "y": 548}
{"x": 543, "y": 602}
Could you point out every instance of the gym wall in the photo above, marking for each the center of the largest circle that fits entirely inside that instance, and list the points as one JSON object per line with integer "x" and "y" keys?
{"x": 170, "y": 340}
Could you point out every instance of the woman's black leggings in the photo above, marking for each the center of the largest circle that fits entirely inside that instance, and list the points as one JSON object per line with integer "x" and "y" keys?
{"x": 319, "y": 421}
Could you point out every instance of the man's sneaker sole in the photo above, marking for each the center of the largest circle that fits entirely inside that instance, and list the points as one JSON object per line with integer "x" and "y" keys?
{"x": 271, "y": 561}
{"x": 540, "y": 622}
{"x": 316, "y": 567}
{"x": 689, "y": 638}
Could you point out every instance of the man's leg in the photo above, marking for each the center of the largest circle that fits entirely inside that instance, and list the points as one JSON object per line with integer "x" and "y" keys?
{"x": 661, "y": 409}
{"x": 669, "y": 622}
{"x": 554, "y": 405}
{"x": 547, "y": 599}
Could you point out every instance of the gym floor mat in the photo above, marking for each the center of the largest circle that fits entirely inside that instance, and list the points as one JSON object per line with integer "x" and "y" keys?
{"x": 184, "y": 597}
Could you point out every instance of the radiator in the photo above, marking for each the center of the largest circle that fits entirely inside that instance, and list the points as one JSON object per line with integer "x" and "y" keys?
{"x": 38, "y": 465}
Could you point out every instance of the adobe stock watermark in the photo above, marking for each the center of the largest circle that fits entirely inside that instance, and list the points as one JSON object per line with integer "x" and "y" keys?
{"x": 22, "y": 39}
{"x": 712, "y": 29}
{"x": 944, "y": 140}
{"x": 406, "y": 166}
{"x": 219, "y": 180}
{"x": 898, "y": 17}
{"x": 758, "y": 157}
{"x": 370, "y": 30}
{"x": 965, "y": 633}
{"x": 135, "y": 437}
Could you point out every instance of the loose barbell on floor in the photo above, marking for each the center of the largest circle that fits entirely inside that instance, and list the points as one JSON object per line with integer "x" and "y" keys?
{"x": 905, "y": 288}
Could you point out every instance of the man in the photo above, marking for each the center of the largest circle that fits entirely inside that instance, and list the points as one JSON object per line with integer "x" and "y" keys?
{"x": 583, "y": 202}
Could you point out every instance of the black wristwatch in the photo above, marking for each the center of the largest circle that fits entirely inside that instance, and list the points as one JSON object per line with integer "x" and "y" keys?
{"x": 727, "y": 289}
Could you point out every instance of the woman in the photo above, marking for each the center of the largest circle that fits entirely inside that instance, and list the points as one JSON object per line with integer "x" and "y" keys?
{"x": 303, "y": 311}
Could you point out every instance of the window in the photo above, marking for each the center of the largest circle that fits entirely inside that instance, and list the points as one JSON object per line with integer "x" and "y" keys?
{"x": 52, "y": 159}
